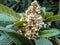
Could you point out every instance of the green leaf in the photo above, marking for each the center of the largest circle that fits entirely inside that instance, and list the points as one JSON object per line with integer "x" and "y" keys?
{"x": 52, "y": 18}
{"x": 49, "y": 33}
{"x": 16, "y": 41}
{"x": 21, "y": 38}
{"x": 5, "y": 41}
{"x": 19, "y": 23}
{"x": 4, "y": 18}
{"x": 48, "y": 14}
{"x": 43, "y": 41}
{"x": 6, "y": 29}
{"x": 43, "y": 13}
{"x": 9, "y": 12}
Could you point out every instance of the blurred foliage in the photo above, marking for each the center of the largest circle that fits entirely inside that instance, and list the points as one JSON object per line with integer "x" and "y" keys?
{"x": 3, "y": 1}
{"x": 58, "y": 22}
{"x": 17, "y": 5}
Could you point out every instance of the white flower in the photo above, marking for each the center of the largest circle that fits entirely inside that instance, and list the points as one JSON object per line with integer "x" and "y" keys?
{"x": 34, "y": 20}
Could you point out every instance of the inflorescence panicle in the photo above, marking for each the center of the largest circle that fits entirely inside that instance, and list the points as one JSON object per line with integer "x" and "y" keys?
{"x": 34, "y": 20}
